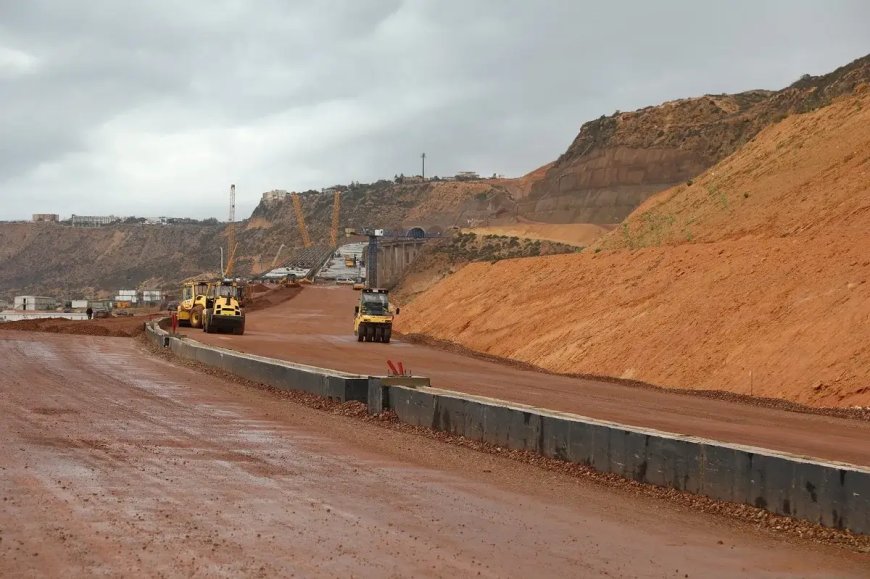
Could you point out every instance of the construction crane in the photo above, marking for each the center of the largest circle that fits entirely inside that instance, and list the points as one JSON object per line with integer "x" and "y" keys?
{"x": 336, "y": 210}
{"x": 231, "y": 234}
{"x": 300, "y": 219}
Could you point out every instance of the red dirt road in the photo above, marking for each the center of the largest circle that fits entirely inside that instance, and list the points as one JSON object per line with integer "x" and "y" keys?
{"x": 316, "y": 328}
{"x": 116, "y": 463}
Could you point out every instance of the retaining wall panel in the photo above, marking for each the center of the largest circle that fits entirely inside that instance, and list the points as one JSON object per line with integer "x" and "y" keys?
{"x": 669, "y": 463}
{"x": 556, "y": 437}
{"x": 377, "y": 398}
{"x": 691, "y": 475}
{"x": 581, "y": 443}
{"x": 601, "y": 451}
{"x": 356, "y": 389}
{"x": 809, "y": 499}
{"x": 718, "y": 466}
{"x": 616, "y": 452}
{"x": 855, "y": 506}
{"x": 475, "y": 420}
{"x": 634, "y": 459}
{"x": 335, "y": 388}
{"x": 759, "y": 472}
{"x": 449, "y": 414}
{"x": 497, "y": 428}
{"x": 415, "y": 408}
{"x": 525, "y": 431}
{"x": 250, "y": 370}
{"x": 832, "y": 500}
{"x": 778, "y": 494}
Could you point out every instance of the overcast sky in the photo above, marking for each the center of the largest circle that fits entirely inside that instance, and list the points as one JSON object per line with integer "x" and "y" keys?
{"x": 154, "y": 108}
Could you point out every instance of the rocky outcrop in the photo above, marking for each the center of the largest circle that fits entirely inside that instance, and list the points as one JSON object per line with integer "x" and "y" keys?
{"x": 618, "y": 161}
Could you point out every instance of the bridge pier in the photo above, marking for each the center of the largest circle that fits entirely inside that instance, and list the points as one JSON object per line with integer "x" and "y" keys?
{"x": 393, "y": 258}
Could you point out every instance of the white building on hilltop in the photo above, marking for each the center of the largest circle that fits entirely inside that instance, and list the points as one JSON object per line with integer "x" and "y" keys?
{"x": 275, "y": 195}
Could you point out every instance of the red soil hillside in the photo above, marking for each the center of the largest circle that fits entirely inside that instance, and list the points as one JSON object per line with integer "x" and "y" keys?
{"x": 754, "y": 279}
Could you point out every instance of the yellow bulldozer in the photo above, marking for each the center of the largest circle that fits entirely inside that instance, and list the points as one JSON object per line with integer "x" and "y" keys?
{"x": 214, "y": 306}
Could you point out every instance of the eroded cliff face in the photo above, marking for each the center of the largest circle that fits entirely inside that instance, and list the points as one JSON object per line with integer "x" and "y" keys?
{"x": 618, "y": 161}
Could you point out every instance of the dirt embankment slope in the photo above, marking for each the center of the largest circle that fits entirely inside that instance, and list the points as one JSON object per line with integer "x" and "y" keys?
{"x": 445, "y": 256}
{"x": 755, "y": 279}
{"x": 577, "y": 234}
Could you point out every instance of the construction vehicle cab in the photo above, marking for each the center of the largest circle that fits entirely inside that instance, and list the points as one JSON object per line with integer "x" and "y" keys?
{"x": 189, "y": 294}
{"x": 373, "y": 318}
{"x": 213, "y": 306}
{"x": 223, "y": 310}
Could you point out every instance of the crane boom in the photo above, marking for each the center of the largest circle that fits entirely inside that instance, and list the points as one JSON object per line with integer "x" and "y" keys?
{"x": 231, "y": 234}
{"x": 336, "y": 210}
{"x": 300, "y": 219}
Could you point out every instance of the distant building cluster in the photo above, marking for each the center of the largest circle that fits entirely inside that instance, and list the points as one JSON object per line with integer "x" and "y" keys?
{"x": 45, "y": 218}
{"x": 93, "y": 220}
{"x": 128, "y": 298}
{"x": 38, "y": 307}
{"x": 122, "y": 299}
{"x": 157, "y": 220}
{"x": 461, "y": 176}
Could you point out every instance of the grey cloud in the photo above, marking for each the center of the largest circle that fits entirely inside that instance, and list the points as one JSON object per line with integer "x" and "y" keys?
{"x": 152, "y": 107}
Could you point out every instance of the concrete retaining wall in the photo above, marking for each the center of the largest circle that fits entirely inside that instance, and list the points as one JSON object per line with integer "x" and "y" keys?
{"x": 832, "y": 494}
{"x": 284, "y": 375}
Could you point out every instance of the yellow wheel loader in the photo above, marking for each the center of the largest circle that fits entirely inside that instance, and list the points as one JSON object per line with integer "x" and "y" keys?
{"x": 373, "y": 318}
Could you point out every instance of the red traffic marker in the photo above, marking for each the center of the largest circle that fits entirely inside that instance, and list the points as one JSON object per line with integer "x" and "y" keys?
{"x": 393, "y": 371}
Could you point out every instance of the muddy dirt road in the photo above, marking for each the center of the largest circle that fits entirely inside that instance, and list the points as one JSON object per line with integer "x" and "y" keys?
{"x": 316, "y": 328}
{"x": 116, "y": 463}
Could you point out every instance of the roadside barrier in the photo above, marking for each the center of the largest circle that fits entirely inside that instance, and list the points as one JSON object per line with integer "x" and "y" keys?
{"x": 829, "y": 493}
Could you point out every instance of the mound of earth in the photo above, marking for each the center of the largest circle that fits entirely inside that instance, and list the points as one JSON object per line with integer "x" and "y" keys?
{"x": 123, "y": 327}
{"x": 272, "y": 297}
{"x": 753, "y": 279}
